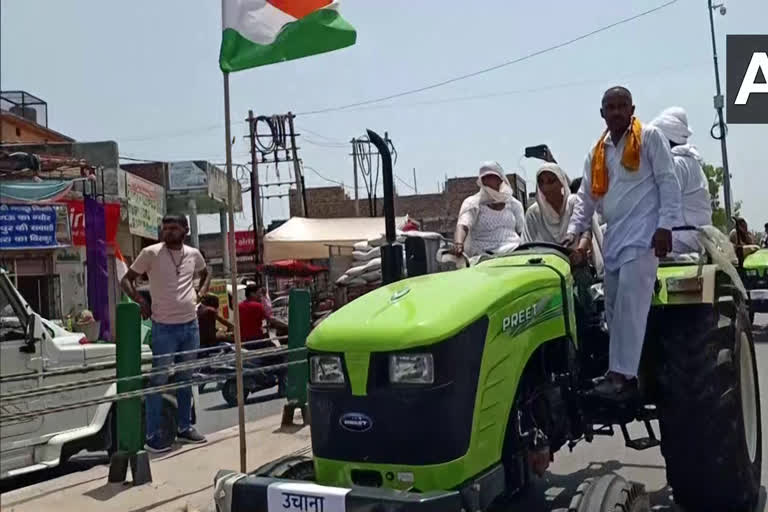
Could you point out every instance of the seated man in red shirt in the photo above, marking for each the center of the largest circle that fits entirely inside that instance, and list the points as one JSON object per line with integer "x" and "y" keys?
{"x": 253, "y": 314}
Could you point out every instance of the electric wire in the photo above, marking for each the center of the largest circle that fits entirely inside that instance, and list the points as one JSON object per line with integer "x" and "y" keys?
{"x": 492, "y": 68}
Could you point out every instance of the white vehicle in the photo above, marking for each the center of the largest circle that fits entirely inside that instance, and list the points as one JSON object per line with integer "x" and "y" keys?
{"x": 30, "y": 346}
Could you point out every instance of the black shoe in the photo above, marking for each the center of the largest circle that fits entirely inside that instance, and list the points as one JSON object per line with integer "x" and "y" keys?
{"x": 614, "y": 389}
{"x": 191, "y": 436}
{"x": 154, "y": 446}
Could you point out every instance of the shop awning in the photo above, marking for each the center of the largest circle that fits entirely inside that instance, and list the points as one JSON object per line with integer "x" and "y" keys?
{"x": 47, "y": 191}
{"x": 308, "y": 239}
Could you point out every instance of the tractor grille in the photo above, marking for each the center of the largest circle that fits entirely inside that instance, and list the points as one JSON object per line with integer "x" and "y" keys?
{"x": 414, "y": 425}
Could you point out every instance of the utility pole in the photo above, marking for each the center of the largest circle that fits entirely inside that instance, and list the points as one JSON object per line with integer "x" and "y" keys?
{"x": 354, "y": 171}
{"x": 255, "y": 194}
{"x": 719, "y": 103}
{"x": 415, "y": 186}
{"x": 297, "y": 171}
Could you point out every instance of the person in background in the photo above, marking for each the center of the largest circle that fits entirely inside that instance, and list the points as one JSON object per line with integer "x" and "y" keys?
{"x": 740, "y": 235}
{"x": 764, "y": 245}
{"x": 207, "y": 316}
{"x": 630, "y": 172}
{"x": 547, "y": 219}
{"x": 171, "y": 266}
{"x": 696, "y": 204}
{"x": 252, "y": 315}
{"x": 266, "y": 301}
{"x": 492, "y": 217}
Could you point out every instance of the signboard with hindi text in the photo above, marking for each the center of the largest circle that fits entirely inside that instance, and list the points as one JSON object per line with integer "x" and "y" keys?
{"x": 146, "y": 206}
{"x": 34, "y": 227}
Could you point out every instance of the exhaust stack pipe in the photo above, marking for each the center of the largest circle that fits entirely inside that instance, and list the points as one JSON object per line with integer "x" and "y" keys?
{"x": 391, "y": 255}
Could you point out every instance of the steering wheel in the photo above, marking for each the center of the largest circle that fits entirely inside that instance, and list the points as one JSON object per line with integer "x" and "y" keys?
{"x": 566, "y": 251}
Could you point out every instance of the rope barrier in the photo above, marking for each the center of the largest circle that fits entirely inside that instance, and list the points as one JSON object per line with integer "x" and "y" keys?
{"x": 160, "y": 370}
{"x": 110, "y": 365}
{"x": 6, "y": 419}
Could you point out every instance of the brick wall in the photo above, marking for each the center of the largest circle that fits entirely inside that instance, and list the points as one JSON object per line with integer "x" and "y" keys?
{"x": 437, "y": 212}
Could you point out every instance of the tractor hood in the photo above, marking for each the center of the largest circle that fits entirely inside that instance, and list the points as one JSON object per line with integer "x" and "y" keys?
{"x": 757, "y": 260}
{"x": 427, "y": 309}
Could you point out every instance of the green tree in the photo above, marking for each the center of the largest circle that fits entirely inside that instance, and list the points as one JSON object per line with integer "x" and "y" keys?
{"x": 715, "y": 181}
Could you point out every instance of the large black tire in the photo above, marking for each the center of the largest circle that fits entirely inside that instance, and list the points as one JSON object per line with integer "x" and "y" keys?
{"x": 291, "y": 467}
{"x": 709, "y": 410}
{"x": 609, "y": 493}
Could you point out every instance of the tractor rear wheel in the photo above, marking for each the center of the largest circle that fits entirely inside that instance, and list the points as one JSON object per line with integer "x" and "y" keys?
{"x": 709, "y": 410}
{"x": 609, "y": 493}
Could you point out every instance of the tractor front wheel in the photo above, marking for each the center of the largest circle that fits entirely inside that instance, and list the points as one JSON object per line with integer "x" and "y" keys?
{"x": 709, "y": 410}
{"x": 609, "y": 493}
{"x": 291, "y": 467}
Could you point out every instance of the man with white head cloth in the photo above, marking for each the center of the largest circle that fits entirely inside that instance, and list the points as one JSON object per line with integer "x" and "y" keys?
{"x": 696, "y": 203}
{"x": 492, "y": 217}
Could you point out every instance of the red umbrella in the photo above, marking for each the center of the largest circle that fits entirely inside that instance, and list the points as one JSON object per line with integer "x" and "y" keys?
{"x": 292, "y": 267}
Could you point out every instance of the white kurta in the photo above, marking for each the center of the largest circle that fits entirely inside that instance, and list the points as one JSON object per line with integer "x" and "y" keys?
{"x": 636, "y": 205}
{"x": 696, "y": 202}
{"x": 490, "y": 229}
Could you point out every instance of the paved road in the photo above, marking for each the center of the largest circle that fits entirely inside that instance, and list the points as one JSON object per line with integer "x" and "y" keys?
{"x": 213, "y": 415}
{"x": 610, "y": 455}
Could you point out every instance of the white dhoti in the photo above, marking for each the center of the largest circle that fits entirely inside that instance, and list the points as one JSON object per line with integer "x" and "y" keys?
{"x": 628, "y": 294}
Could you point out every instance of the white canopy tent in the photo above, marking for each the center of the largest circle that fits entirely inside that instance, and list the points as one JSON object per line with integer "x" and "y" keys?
{"x": 307, "y": 239}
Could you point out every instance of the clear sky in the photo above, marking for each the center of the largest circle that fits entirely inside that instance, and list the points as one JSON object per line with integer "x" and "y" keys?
{"x": 145, "y": 73}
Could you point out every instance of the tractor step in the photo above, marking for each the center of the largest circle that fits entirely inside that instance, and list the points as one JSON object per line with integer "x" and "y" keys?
{"x": 641, "y": 443}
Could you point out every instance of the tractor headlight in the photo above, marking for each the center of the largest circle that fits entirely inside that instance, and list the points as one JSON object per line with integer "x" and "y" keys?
{"x": 326, "y": 370}
{"x": 411, "y": 369}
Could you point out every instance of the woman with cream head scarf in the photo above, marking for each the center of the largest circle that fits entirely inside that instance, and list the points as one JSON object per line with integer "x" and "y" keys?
{"x": 547, "y": 219}
{"x": 492, "y": 217}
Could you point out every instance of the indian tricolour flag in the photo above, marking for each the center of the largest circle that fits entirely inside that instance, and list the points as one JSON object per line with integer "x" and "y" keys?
{"x": 261, "y": 32}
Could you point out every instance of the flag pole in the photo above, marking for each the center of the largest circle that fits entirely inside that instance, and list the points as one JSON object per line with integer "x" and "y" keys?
{"x": 233, "y": 268}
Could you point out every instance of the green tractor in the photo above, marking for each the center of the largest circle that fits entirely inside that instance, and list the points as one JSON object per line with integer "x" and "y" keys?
{"x": 754, "y": 271}
{"x": 446, "y": 391}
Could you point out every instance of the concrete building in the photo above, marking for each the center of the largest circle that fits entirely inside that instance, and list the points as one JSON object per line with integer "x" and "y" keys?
{"x": 436, "y": 212}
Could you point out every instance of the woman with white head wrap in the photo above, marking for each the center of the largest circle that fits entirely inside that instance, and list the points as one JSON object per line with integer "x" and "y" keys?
{"x": 547, "y": 219}
{"x": 696, "y": 205}
{"x": 492, "y": 217}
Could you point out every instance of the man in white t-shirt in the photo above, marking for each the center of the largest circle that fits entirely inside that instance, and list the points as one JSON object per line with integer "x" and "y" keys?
{"x": 171, "y": 266}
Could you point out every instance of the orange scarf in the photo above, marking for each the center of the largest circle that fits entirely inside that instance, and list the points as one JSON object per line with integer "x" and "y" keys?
{"x": 630, "y": 158}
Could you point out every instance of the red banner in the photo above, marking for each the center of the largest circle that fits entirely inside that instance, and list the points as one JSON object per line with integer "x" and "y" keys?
{"x": 77, "y": 221}
{"x": 244, "y": 242}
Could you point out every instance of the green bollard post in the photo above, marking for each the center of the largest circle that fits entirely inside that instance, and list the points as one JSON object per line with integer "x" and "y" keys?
{"x": 299, "y": 325}
{"x": 130, "y": 435}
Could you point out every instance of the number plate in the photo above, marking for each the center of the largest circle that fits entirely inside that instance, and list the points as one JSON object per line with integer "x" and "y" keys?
{"x": 305, "y": 497}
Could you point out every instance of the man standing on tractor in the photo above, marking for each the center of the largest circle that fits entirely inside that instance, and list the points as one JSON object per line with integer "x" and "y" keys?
{"x": 696, "y": 204}
{"x": 629, "y": 174}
